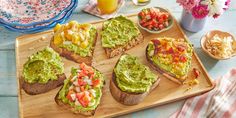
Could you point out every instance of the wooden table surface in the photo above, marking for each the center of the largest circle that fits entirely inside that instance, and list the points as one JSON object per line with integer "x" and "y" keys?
{"x": 8, "y": 83}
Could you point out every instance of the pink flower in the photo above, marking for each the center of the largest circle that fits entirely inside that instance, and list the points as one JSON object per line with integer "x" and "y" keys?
{"x": 227, "y": 3}
{"x": 200, "y": 11}
{"x": 188, "y": 4}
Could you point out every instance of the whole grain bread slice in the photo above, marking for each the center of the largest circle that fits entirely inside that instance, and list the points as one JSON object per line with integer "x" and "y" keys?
{"x": 38, "y": 88}
{"x": 112, "y": 52}
{"x": 72, "y": 55}
{"x": 68, "y": 107}
{"x": 165, "y": 73}
{"x": 127, "y": 98}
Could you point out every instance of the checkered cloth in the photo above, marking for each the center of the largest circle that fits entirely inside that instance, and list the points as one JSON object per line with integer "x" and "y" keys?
{"x": 218, "y": 103}
{"x": 91, "y": 8}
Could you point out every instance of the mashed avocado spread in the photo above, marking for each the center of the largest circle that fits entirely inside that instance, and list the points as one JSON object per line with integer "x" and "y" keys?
{"x": 82, "y": 51}
{"x": 75, "y": 37}
{"x": 43, "y": 66}
{"x": 132, "y": 76}
{"x": 171, "y": 55}
{"x": 82, "y": 93}
{"x": 118, "y": 31}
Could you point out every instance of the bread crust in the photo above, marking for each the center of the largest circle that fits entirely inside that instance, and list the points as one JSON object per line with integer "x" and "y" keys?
{"x": 127, "y": 98}
{"x": 73, "y": 56}
{"x": 167, "y": 74}
{"x": 38, "y": 88}
{"x": 112, "y": 52}
{"x": 67, "y": 106}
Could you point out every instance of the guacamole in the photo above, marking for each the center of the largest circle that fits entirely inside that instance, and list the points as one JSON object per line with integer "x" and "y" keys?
{"x": 93, "y": 92}
{"x": 118, "y": 32}
{"x": 171, "y": 58}
{"x": 43, "y": 66}
{"x": 132, "y": 76}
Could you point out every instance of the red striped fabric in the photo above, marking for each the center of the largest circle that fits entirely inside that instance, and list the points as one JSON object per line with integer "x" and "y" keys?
{"x": 91, "y": 8}
{"x": 218, "y": 103}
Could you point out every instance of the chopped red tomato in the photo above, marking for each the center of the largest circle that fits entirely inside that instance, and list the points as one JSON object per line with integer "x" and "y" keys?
{"x": 170, "y": 51}
{"x": 95, "y": 82}
{"x": 82, "y": 74}
{"x": 81, "y": 82}
{"x": 82, "y": 65}
{"x": 196, "y": 72}
{"x": 69, "y": 95}
{"x": 91, "y": 76}
{"x": 183, "y": 58}
{"x": 180, "y": 48}
{"x": 83, "y": 99}
{"x": 153, "y": 19}
{"x": 156, "y": 42}
{"x": 80, "y": 95}
{"x": 82, "y": 88}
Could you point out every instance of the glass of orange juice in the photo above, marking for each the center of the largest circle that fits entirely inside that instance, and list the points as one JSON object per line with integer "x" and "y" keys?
{"x": 107, "y": 6}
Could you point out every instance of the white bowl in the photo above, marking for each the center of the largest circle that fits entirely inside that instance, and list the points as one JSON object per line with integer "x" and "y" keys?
{"x": 221, "y": 34}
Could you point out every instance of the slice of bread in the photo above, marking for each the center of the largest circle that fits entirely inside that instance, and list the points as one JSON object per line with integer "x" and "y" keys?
{"x": 167, "y": 74}
{"x": 37, "y": 88}
{"x": 73, "y": 109}
{"x": 112, "y": 52}
{"x": 128, "y": 98}
{"x": 72, "y": 55}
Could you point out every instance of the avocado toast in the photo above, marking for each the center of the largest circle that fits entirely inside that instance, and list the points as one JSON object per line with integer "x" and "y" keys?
{"x": 82, "y": 91}
{"x": 75, "y": 41}
{"x": 131, "y": 81}
{"x": 171, "y": 57}
{"x": 42, "y": 72}
{"x": 118, "y": 35}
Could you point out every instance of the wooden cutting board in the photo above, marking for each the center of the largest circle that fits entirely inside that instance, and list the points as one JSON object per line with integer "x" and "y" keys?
{"x": 43, "y": 105}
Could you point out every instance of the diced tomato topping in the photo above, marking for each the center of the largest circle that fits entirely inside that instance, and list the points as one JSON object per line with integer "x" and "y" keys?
{"x": 160, "y": 20}
{"x": 83, "y": 99}
{"x": 95, "y": 82}
{"x": 91, "y": 75}
{"x": 81, "y": 74}
{"x": 180, "y": 48}
{"x": 82, "y": 65}
{"x": 69, "y": 95}
{"x": 90, "y": 70}
{"x": 183, "y": 58}
{"x": 170, "y": 51}
{"x": 85, "y": 72}
{"x": 196, "y": 72}
{"x": 142, "y": 14}
{"x": 156, "y": 42}
{"x": 82, "y": 88}
{"x": 81, "y": 82}
{"x": 157, "y": 49}
{"x": 84, "y": 103}
{"x": 80, "y": 95}
{"x": 153, "y": 19}
{"x": 164, "y": 16}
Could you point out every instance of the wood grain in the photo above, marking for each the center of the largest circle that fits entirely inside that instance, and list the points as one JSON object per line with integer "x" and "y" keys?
{"x": 44, "y": 106}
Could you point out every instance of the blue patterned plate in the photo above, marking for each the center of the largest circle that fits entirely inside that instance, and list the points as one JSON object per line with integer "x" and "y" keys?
{"x": 32, "y": 12}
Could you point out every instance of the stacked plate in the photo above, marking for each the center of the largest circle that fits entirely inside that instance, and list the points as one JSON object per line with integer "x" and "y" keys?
{"x": 29, "y": 16}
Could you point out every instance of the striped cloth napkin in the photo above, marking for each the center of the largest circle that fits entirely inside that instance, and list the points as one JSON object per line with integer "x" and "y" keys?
{"x": 91, "y": 8}
{"x": 218, "y": 103}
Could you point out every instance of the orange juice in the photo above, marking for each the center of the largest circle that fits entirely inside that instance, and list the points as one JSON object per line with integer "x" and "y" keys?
{"x": 107, "y": 6}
